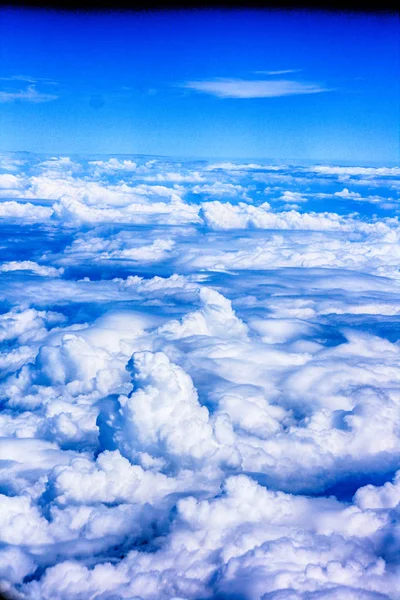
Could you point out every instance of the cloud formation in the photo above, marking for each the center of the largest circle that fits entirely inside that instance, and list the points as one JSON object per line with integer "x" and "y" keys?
{"x": 199, "y": 386}
{"x": 242, "y": 88}
{"x": 30, "y": 94}
{"x": 282, "y": 72}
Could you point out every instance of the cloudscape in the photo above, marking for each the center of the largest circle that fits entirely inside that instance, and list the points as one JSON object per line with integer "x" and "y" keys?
{"x": 200, "y": 306}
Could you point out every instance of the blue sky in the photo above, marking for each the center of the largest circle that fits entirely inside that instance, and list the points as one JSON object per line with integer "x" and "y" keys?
{"x": 199, "y": 359}
{"x": 299, "y": 85}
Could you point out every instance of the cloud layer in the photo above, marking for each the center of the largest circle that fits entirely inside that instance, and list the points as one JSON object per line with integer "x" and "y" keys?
{"x": 199, "y": 380}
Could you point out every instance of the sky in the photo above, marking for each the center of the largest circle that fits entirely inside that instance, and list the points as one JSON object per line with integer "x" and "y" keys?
{"x": 283, "y": 85}
{"x": 199, "y": 306}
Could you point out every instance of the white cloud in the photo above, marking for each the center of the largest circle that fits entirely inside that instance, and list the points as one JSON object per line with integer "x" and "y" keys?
{"x": 346, "y": 194}
{"x": 241, "y": 88}
{"x": 356, "y": 171}
{"x": 218, "y": 189}
{"x": 113, "y": 164}
{"x": 8, "y": 181}
{"x": 69, "y": 209}
{"x": 25, "y": 211}
{"x": 283, "y": 72}
{"x": 387, "y": 203}
{"x": 199, "y": 398}
{"x": 229, "y": 166}
{"x": 30, "y": 94}
{"x": 157, "y": 251}
{"x": 191, "y": 177}
{"x": 29, "y": 265}
{"x": 220, "y": 215}
{"x": 292, "y": 197}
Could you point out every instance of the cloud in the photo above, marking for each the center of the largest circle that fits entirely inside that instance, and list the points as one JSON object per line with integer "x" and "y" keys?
{"x": 30, "y": 94}
{"x": 28, "y": 265}
{"x": 192, "y": 177}
{"x": 283, "y": 72}
{"x": 356, "y": 171}
{"x": 241, "y": 88}
{"x": 27, "y": 79}
{"x": 345, "y": 193}
{"x": 219, "y": 189}
{"x": 220, "y": 215}
{"x": 294, "y": 197}
{"x": 199, "y": 390}
{"x": 9, "y": 163}
{"x": 229, "y": 166}
{"x": 24, "y": 211}
{"x": 9, "y": 181}
{"x": 113, "y": 164}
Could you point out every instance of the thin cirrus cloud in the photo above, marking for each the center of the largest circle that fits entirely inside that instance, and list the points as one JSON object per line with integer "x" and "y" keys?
{"x": 283, "y": 72}
{"x": 27, "y": 79}
{"x": 30, "y": 94}
{"x": 242, "y": 88}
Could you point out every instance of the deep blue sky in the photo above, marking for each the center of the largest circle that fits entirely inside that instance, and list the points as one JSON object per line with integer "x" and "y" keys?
{"x": 162, "y": 83}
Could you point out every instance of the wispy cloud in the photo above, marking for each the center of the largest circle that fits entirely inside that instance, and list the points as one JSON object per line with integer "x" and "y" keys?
{"x": 284, "y": 72}
{"x": 30, "y": 94}
{"x": 241, "y": 88}
{"x": 28, "y": 79}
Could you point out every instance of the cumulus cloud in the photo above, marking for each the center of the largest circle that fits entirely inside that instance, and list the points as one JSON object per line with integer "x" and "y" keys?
{"x": 113, "y": 164}
{"x": 191, "y": 177}
{"x": 199, "y": 388}
{"x": 29, "y": 265}
{"x": 292, "y": 197}
{"x": 24, "y": 211}
{"x": 9, "y": 181}
{"x": 220, "y": 215}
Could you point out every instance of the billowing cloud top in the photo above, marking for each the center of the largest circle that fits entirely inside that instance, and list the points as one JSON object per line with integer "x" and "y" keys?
{"x": 200, "y": 369}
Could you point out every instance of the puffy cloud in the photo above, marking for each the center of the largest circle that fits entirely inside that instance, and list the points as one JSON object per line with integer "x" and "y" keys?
{"x": 26, "y": 212}
{"x": 215, "y": 318}
{"x": 292, "y": 197}
{"x": 113, "y": 164}
{"x": 157, "y": 251}
{"x": 21, "y": 523}
{"x": 9, "y": 181}
{"x": 381, "y": 497}
{"x": 220, "y": 215}
{"x": 15, "y": 565}
{"x": 112, "y": 479}
{"x": 29, "y": 265}
{"x": 346, "y": 194}
{"x": 253, "y": 252}
{"x": 71, "y": 210}
{"x": 375, "y": 199}
{"x": 62, "y": 166}
{"x": 218, "y": 189}
{"x": 199, "y": 397}
{"x": 162, "y": 416}
{"x": 191, "y": 177}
